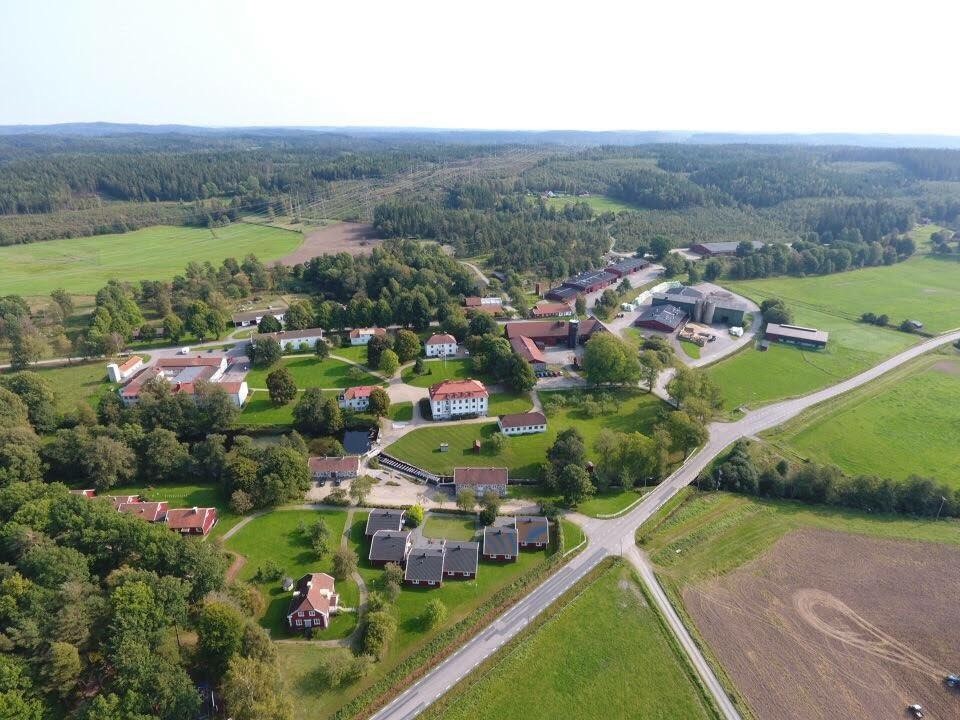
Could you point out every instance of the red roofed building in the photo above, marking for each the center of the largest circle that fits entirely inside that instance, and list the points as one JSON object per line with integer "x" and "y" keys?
{"x": 361, "y": 336}
{"x": 336, "y": 468}
{"x": 91, "y": 493}
{"x": 458, "y": 398}
{"x": 314, "y": 601}
{"x": 551, "y": 309}
{"x": 149, "y": 511}
{"x": 492, "y": 305}
{"x": 555, "y": 332}
{"x": 183, "y": 374}
{"x": 440, "y": 346}
{"x": 356, "y": 398}
{"x": 192, "y": 521}
{"x": 118, "y": 500}
{"x": 528, "y": 350}
{"x": 119, "y": 373}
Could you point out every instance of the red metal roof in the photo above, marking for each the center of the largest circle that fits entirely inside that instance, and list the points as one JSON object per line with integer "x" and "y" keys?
{"x": 458, "y": 389}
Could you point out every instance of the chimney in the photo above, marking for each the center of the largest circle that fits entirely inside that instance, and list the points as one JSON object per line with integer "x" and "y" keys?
{"x": 573, "y": 334}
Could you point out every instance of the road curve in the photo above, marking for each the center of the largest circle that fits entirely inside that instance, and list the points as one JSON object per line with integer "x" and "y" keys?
{"x": 616, "y": 537}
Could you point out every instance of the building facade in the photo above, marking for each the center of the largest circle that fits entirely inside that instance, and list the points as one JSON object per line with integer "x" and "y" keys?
{"x": 458, "y": 398}
{"x": 440, "y": 346}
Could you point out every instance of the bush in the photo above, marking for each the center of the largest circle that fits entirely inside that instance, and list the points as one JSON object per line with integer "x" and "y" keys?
{"x": 378, "y": 632}
{"x": 415, "y": 515}
{"x": 270, "y": 571}
{"x": 338, "y": 497}
{"x": 344, "y": 563}
{"x": 434, "y": 613}
{"x": 376, "y": 601}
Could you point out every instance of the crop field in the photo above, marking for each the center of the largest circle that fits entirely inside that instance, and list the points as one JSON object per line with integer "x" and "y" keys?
{"x": 604, "y": 654}
{"x": 637, "y": 411}
{"x": 84, "y": 265}
{"x": 751, "y": 377}
{"x": 275, "y": 537}
{"x": 905, "y": 423}
{"x": 925, "y": 288}
{"x": 299, "y": 661}
{"x": 599, "y": 203}
{"x": 309, "y": 371}
{"x": 825, "y": 596}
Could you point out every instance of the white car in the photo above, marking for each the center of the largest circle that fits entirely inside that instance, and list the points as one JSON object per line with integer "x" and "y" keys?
{"x": 184, "y": 351}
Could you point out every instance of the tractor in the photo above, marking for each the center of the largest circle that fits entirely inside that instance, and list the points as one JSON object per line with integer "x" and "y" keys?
{"x": 915, "y": 711}
{"x": 952, "y": 681}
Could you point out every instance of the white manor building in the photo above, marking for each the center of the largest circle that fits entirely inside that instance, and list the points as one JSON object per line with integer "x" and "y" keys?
{"x": 356, "y": 398}
{"x": 440, "y": 346}
{"x": 458, "y": 398}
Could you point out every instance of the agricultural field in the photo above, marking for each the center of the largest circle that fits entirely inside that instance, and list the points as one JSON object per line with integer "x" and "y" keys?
{"x": 925, "y": 288}
{"x": 599, "y": 203}
{"x": 822, "y": 595}
{"x": 299, "y": 661}
{"x": 635, "y": 411}
{"x": 751, "y": 377}
{"x": 601, "y": 654}
{"x": 181, "y": 495}
{"x": 878, "y": 429}
{"x": 84, "y": 265}
{"x": 310, "y": 371}
{"x": 276, "y": 537}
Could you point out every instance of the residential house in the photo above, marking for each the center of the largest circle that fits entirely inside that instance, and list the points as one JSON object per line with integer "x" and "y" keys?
{"x": 500, "y": 542}
{"x": 551, "y": 309}
{"x": 390, "y": 546}
{"x": 361, "y": 336}
{"x": 192, "y": 521}
{"x": 461, "y": 559}
{"x": 425, "y": 564}
{"x": 118, "y": 500}
{"x": 334, "y": 468}
{"x": 302, "y": 340}
{"x": 253, "y": 317}
{"x": 492, "y": 305}
{"x": 533, "y": 531}
{"x": 149, "y": 511}
{"x": 384, "y": 519}
{"x": 458, "y": 398}
{"x": 89, "y": 493}
{"x": 314, "y": 600}
{"x": 443, "y": 345}
{"x": 356, "y": 398}
{"x": 480, "y": 480}
{"x": 522, "y": 423}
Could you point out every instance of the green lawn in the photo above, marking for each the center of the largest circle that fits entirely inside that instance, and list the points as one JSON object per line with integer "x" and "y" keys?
{"x": 357, "y": 353}
{"x": 691, "y": 349}
{"x": 751, "y": 377}
{"x": 309, "y": 371}
{"x": 260, "y": 410}
{"x": 438, "y": 371}
{"x": 450, "y": 527}
{"x": 637, "y": 411}
{"x": 925, "y": 288}
{"x": 276, "y": 536}
{"x": 298, "y": 662}
{"x": 181, "y": 495}
{"x": 572, "y": 534}
{"x": 505, "y": 403}
{"x": 905, "y": 423}
{"x": 83, "y": 265}
{"x": 609, "y": 502}
{"x": 401, "y": 412}
{"x": 75, "y": 383}
{"x": 599, "y": 203}
{"x": 602, "y": 654}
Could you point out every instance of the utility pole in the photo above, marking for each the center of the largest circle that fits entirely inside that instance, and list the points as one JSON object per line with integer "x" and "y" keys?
{"x": 942, "y": 501}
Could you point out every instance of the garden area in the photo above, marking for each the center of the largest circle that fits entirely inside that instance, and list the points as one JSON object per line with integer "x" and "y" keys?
{"x": 310, "y": 371}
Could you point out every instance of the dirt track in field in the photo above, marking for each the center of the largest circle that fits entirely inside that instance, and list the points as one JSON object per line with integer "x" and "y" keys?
{"x": 353, "y": 238}
{"x": 828, "y": 625}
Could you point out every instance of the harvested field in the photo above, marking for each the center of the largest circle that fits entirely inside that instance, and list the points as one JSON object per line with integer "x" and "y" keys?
{"x": 353, "y": 238}
{"x": 832, "y": 625}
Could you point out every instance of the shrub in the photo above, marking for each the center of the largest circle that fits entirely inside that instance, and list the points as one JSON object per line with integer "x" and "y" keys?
{"x": 270, "y": 571}
{"x": 415, "y": 515}
{"x": 338, "y": 497}
{"x": 434, "y": 613}
{"x": 378, "y": 632}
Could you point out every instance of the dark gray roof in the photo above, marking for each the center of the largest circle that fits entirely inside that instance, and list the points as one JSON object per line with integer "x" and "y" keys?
{"x": 389, "y": 546}
{"x": 797, "y": 332}
{"x": 383, "y": 519}
{"x": 425, "y": 563}
{"x": 686, "y": 293}
{"x": 727, "y": 247}
{"x": 533, "y": 529}
{"x": 461, "y": 557}
{"x": 628, "y": 265}
{"x": 588, "y": 278}
{"x": 356, "y": 442}
{"x": 500, "y": 541}
{"x": 669, "y": 315}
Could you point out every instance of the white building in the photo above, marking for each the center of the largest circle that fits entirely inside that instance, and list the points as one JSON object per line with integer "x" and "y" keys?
{"x": 361, "y": 336}
{"x": 303, "y": 340}
{"x": 457, "y": 398}
{"x": 183, "y": 374}
{"x": 522, "y": 423}
{"x": 356, "y": 398}
{"x": 441, "y": 346}
{"x": 120, "y": 373}
{"x": 253, "y": 317}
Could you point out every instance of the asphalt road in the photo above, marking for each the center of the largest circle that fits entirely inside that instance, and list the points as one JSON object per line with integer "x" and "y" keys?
{"x": 616, "y": 537}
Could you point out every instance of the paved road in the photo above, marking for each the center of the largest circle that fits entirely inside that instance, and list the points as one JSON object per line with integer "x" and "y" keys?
{"x": 616, "y": 537}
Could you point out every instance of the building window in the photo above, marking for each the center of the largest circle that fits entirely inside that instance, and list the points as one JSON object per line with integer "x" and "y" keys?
{"x": 298, "y": 622}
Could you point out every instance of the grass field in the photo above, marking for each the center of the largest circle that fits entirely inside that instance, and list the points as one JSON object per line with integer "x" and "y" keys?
{"x": 181, "y": 495}
{"x": 83, "y": 265}
{"x": 450, "y": 527}
{"x": 925, "y": 288}
{"x": 276, "y": 537}
{"x": 691, "y": 349}
{"x": 599, "y": 203}
{"x": 438, "y": 371}
{"x": 751, "y": 377}
{"x": 260, "y": 410}
{"x": 309, "y": 371}
{"x": 605, "y": 502}
{"x": 504, "y": 403}
{"x": 76, "y": 383}
{"x": 905, "y": 423}
{"x": 357, "y": 353}
{"x": 572, "y": 534}
{"x": 298, "y": 662}
{"x": 637, "y": 411}
{"x": 401, "y": 412}
{"x": 603, "y": 654}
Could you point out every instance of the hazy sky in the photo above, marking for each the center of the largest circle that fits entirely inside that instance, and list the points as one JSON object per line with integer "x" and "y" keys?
{"x": 724, "y": 65}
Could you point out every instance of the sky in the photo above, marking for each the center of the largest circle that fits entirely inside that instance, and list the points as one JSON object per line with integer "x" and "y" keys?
{"x": 720, "y": 65}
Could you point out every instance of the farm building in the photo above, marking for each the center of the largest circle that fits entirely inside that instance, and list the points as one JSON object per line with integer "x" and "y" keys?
{"x": 551, "y": 309}
{"x": 555, "y": 332}
{"x": 457, "y": 398}
{"x": 425, "y": 564}
{"x": 253, "y": 317}
{"x": 709, "y": 309}
{"x": 120, "y": 373}
{"x": 533, "y": 531}
{"x": 118, "y": 500}
{"x": 480, "y": 480}
{"x": 440, "y": 346}
{"x": 334, "y": 468}
{"x": 491, "y": 304}
{"x": 192, "y": 521}
{"x": 721, "y": 249}
{"x": 361, "y": 336}
{"x": 183, "y": 374}
{"x": 627, "y": 266}
{"x": 522, "y": 423}
{"x": 149, "y": 511}
{"x": 304, "y": 340}
{"x": 314, "y": 600}
{"x": 528, "y": 350}
{"x": 563, "y": 294}
{"x": 591, "y": 281}
{"x": 664, "y": 318}
{"x": 796, "y": 335}
{"x": 461, "y": 559}
{"x": 389, "y": 546}
{"x": 384, "y": 519}
{"x": 500, "y": 542}
{"x": 356, "y": 398}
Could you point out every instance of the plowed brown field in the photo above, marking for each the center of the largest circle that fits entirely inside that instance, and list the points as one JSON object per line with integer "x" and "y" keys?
{"x": 353, "y": 238}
